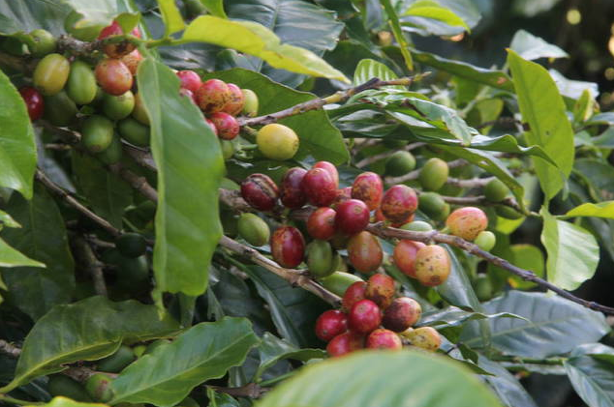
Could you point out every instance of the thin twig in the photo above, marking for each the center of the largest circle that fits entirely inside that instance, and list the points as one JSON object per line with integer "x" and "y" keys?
{"x": 480, "y": 200}
{"x": 251, "y": 390}
{"x": 93, "y": 265}
{"x": 375, "y": 158}
{"x": 136, "y": 181}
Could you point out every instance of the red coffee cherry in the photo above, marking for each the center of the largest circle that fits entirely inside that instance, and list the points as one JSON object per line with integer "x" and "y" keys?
{"x": 132, "y": 61}
{"x": 212, "y": 125}
{"x": 432, "y": 265}
{"x": 119, "y": 49}
{"x": 330, "y": 324}
{"x": 34, "y": 102}
{"x": 383, "y": 339}
{"x": 292, "y": 195}
{"x": 227, "y": 126}
{"x": 319, "y": 187}
{"x": 399, "y": 204}
{"x": 404, "y": 256}
{"x": 213, "y": 95}
{"x": 353, "y": 294}
{"x": 401, "y": 314}
{"x": 352, "y": 216}
{"x": 380, "y": 289}
{"x": 288, "y": 246}
{"x": 365, "y": 252}
{"x": 235, "y": 104}
{"x": 467, "y": 222}
{"x": 189, "y": 80}
{"x": 332, "y": 170}
{"x": 368, "y": 187}
{"x": 345, "y": 343}
{"x": 342, "y": 195}
{"x": 364, "y": 317}
{"x": 113, "y": 76}
{"x": 260, "y": 192}
{"x": 321, "y": 223}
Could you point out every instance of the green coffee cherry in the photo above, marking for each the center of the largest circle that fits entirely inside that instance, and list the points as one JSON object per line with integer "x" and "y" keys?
{"x": 60, "y": 385}
{"x": 417, "y": 226}
{"x": 97, "y": 133}
{"x": 444, "y": 213}
{"x": 507, "y": 212}
{"x": 400, "y": 163}
{"x": 486, "y": 240}
{"x": 132, "y": 271}
{"x": 134, "y": 132}
{"x": 113, "y": 153}
{"x": 117, "y": 361}
{"x": 320, "y": 258}
{"x": 131, "y": 245}
{"x": 431, "y": 203}
{"x": 139, "y": 350}
{"x": 118, "y": 107}
{"x": 60, "y": 110}
{"x": 98, "y": 386}
{"x": 253, "y": 229}
{"x": 43, "y": 43}
{"x": 339, "y": 281}
{"x": 434, "y": 174}
{"x": 51, "y": 74}
{"x": 228, "y": 148}
{"x": 496, "y": 190}
{"x": 250, "y": 106}
{"x": 81, "y": 86}
{"x": 483, "y": 287}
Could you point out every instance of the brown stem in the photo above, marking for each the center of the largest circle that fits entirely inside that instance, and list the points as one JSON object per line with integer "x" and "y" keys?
{"x": 136, "y": 181}
{"x": 251, "y": 390}
{"x": 8, "y": 349}
{"x": 92, "y": 264}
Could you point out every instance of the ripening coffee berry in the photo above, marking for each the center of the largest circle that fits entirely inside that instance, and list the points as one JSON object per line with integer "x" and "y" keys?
{"x": 250, "y": 103}
{"x": 98, "y": 386}
{"x": 380, "y": 289}
{"x": 368, "y": 187}
{"x": 253, "y": 229}
{"x": 43, "y": 43}
{"x": 235, "y": 104}
{"x": 34, "y": 102}
{"x": 342, "y": 195}
{"x": 81, "y": 85}
{"x": 190, "y": 80}
{"x": 320, "y": 259}
{"x": 431, "y": 203}
{"x": 118, "y": 107}
{"x": 345, "y": 343}
{"x": 117, "y": 49}
{"x": 113, "y": 76}
{"x": 292, "y": 195}
{"x": 319, "y": 187}
{"x": 51, "y": 74}
{"x": 365, "y": 252}
{"x": 260, "y": 192}
{"x": 352, "y": 216}
{"x": 340, "y": 281}
{"x": 330, "y": 324}
{"x": 277, "y": 142}
{"x": 426, "y": 338}
{"x": 227, "y": 126}
{"x": 399, "y": 204}
{"x": 132, "y": 61}
{"x": 401, "y": 314}
{"x": 432, "y": 265}
{"x": 400, "y": 163}
{"x": 496, "y": 190}
{"x": 353, "y": 294}
{"x": 288, "y": 246}
{"x": 97, "y": 133}
{"x": 434, "y": 174}
{"x": 332, "y": 170}
{"x": 321, "y": 223}
{"x": 486, "y": 240}
{"x": 467, "y": 222}
{"x": 404, "y": 256}
{"x": 383, "y": 339}
{"x": 212, "y": 95}
{"x": 417, "y": 226}
{"x": 364, "y": 317}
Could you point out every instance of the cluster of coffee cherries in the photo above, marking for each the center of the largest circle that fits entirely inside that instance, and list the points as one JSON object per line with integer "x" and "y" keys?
{"x": 372, "y": 318}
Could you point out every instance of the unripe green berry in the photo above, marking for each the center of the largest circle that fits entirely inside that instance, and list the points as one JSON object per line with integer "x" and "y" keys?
{"x": 417, "y": 226}
{"x": 253, "y": 229}
{"x": 496, "y": 190}
{"x": 43, "y": 43}
{"x": 250, "y": 106}
{"x": 400, "y": 163}
{"x": 320, "y": 258}
{"x": 432, "y": 204}
{"x": 98, "y": 387}
{"x": 486, "y": 240}
{"x": 434, "y": 174}
{"x": 97, "y": 133}
{"x": 483, "y": 287}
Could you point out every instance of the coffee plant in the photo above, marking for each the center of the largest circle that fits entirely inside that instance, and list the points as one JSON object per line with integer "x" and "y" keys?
{"x": 286, "y": 203}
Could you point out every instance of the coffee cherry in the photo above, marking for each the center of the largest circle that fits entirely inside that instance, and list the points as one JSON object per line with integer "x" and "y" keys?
{"x": 352, "y": 216}
{"x": 212, "y": 127}
{"x": 292, "y": 195}
{"x": 432, "y": 265}
{"x": 368, "y": 187}
{"x": 34, "y": 102}
{"x": 131, "y": 245}
{"x": 426, "y": 338}
{"x": 400, "y": 163}
{"x": 330, "y": 324}
{"x": 60, "y": 110}
{"x": 345, "y": 343}
{"x": 61, "y": 385}
{"x": 365, "y": 252}
{"x": 339, "y": 282}
{"x": 467, "y": 222}
{"x": 277, "y": 142}
{"x": 139, "y": 112}
{"x": 434, "y": 174}
{"x": 228, "y": 149}
{"x": 227, "y": 126}
{"x": 132, "y": 61}
{"x": 51, "y": 74}
{"x": 97, "y": 133}
{"x": 417, "y": 226}
{"x": 190, "y": 80}
{"x": 364, "y": 317}
{"x": 98, "y": 386}
{"x": 321, "y": 223}
{"x": 81, "y": 86}
{"x": 353, "y": 294}
{"x": 235, "y": 104}
{"x": 380, "y": 289}
{"x": 483, "y": 287}
{"x": 399, "y": 204}
{"x": 383, "y": 339}
{"x": 250, "y": 103}
{"x": 332, "y": 170}
{"x": 319, "y": 187}
{"x": 253, "y": 229}
{"x": 496, "y": 190}
{"x": 113, "y": 153}
{"x": 486, "y": 240}
{"x": 507, "y": 212}
{"x": 320, "y": 258}
{"x": 43, "y": 43}
{"x": 134, "y": 132}
{"x": 431, "y": 203}
{"x": 212, "y": 95}
{"x": 342, "y": 195}
{"x": 87, "y": 33}
{"x": 401, "y": 314}
{"x": 188, "y": 94}
{"x": 288, "y": 246}
{"x": 404, "y": 256}
{"x": 443, "y": 215}
{"x": 260, "y": 192}
{"x": 118, "y": 107}
{"x": 113, "y": 76}
{"x": 118, "y": 49}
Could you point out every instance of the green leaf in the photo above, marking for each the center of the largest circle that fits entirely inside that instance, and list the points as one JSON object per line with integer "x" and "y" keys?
{"x": 89, "y": 330}
{"x": 190, "y": 168}
{"x": 10, "y": 257}
{"x": 8, "y": 221}
{"x": 173, "y": 22}
{"x": 318, "y": 137}
{"x": 465, "y": 9}
{"x": 435, "y": 11}
{"x": 398, "y": 33}
{"x": 25, "y": 16}
{"x": 255, "y": 39}
{"x": 457, "y": 289}
{"x": 573, "y": 89}
{"x": 61, "y": 401}
{"x": 369, "y": 68}
{"x": 605, "y": 118}
{"x": 205, "y": 351}
{"x": 42, "y": 237}
{"x": 17, "y": 148}
{"x": 101, "y": 13}
{"x": 528, "y": 257}
{"x": 530, "y": 47}
{"x": 598, "y": 210}
{"x": 215, "y": 7}
{"x": 591, "y": 377}
{"x": 382, "y": 379}
{"x": 573, "y": 253}
{"x": 273, "y": 349}
{"x": 506, "y": 385}
{"x": 552, "y": 330}
{"x": 543, "y": 108}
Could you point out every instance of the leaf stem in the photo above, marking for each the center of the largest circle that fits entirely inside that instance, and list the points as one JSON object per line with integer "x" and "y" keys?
{"x": 8, "y": 399}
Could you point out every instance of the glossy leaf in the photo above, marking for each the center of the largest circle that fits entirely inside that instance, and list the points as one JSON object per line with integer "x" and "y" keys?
{"x": 598, "y": 210}
{"x": 10, "y": 257}
{"x": 167, "y": 375}
{"x": 7, "y": 221}
{"x": 433, "y": 10}
{"x": 528, "y": 257}
{"x": 591, "y": 377}
{"x": 255, "y": 39}
{"x": 190, "y": 168}
{"x": 25, "y": 16}
{"x": 573, "y": 89}
{"x": 17, "y": 148}
{"x": 466, "y": 10}
{"x": 395, "y": 26}
{"x": 89, "y": 330}
{"x": 215, "y": 7}
{"x": 382, "y": 379}
{"x": 100, "y": 14}
{"x": 505, "y": 384}
{"x": 369, "y": 68}
{"x": 171, "y": 16}
{"x": 530, "y": 47}
{"x": 573, "y": 253}
{"x": 552, "y": 330}
{"x": 273, "y": 349}
{"x": 457, "y": 289}
{"x": 61, "y": 401}
{"x": 542, "y": 107}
